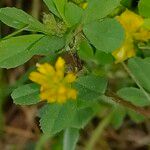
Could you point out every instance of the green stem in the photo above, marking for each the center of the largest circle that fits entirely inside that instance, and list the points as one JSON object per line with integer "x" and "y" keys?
{"x": 98, "y": 132}
{"x": 135, "y": 80}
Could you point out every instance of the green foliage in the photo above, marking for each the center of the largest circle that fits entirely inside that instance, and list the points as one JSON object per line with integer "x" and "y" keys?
{"x": 134, "y": 95}
{"x": 127, "y": 3}
{"x": 51, "y": 5}
{"x": 118, "y": 116}
{"x": 93, "y": 83}
{"x": 144, "y": 8}
{"x": 73, "y": 13}
{"x": 98, "y": 9}
{"x": 18, "y": 19}
{"x": 18, "y": 50}
{"x": 106, "y": 35}
{"x": 85, "y": 51}
{"x": 147, "y": 23}
{"x": 89, "y": 89}
{"x": 103, "y": 58}
{"x": 55, "y": 117}
{"x": 26, "y": 95}
{"x": 60, "y": 5}
{"x": 140, "y": 69}
{"x": 137, "y": 118}
{"x": 137, "y": 98}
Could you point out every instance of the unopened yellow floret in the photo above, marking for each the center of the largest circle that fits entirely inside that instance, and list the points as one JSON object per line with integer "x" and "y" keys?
{"x": 134, "y": 31}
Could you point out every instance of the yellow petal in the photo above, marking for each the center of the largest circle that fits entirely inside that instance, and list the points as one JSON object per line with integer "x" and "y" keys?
{"x": 125, "y": 52}
{"x": 130, "y": 21}
{"x": 46, "y": 69}
{"x": 70, "y": 77}
{"x": 131, "y": 53}
{"x": 61, "y": 99}
{"x": 72, "y": 93}
{"x": 142, "y": 35}
{"x": 60, "y": 64}
{"x": 60, "y": 68}
{"x": 48, "y": 94}
{"x": 121, "y": 54}
{"x": 37, "y": 77}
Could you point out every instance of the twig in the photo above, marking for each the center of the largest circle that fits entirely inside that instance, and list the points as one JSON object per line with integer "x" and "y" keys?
{"x": 127, "y": 104}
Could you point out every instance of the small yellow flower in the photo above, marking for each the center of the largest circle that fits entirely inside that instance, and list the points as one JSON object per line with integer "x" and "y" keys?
{"x": 55, "y": 85}
{"x": 126, "y": 51}
{"x": 132, "y": 23}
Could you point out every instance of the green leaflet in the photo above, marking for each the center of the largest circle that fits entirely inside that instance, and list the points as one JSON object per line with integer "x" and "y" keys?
{"x": 18, "y": 50}
{"x": 73, "y": 13}
{"x": 18, "y": 19}
{"x": 103, "y": 58}
{"x": 89, "y": 88}
{"x": 85, "y": 51}
{"x": 98, "y": 9}
{"x": 134, "y": 95}
{"x": 60, "y": 5}
{"x": 56, "y": 117}
{"x": 137, "y": 98}
{"x": 26, "y": 94}
{"x": 140, "y": 69}
{"x": 51, "y": 5}
{"x": 118, "y": 116}
{"x": 106, "y": 35}
{"x": 137, "y": 118}
{"x": 48, "y": 44}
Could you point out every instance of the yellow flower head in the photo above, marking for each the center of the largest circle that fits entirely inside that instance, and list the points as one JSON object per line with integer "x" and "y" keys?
{"x": 130, "y": 21}
{"x": 126, "y": 51}
{"x": 55, "y": 85}
{"x": 132, "y": 24}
